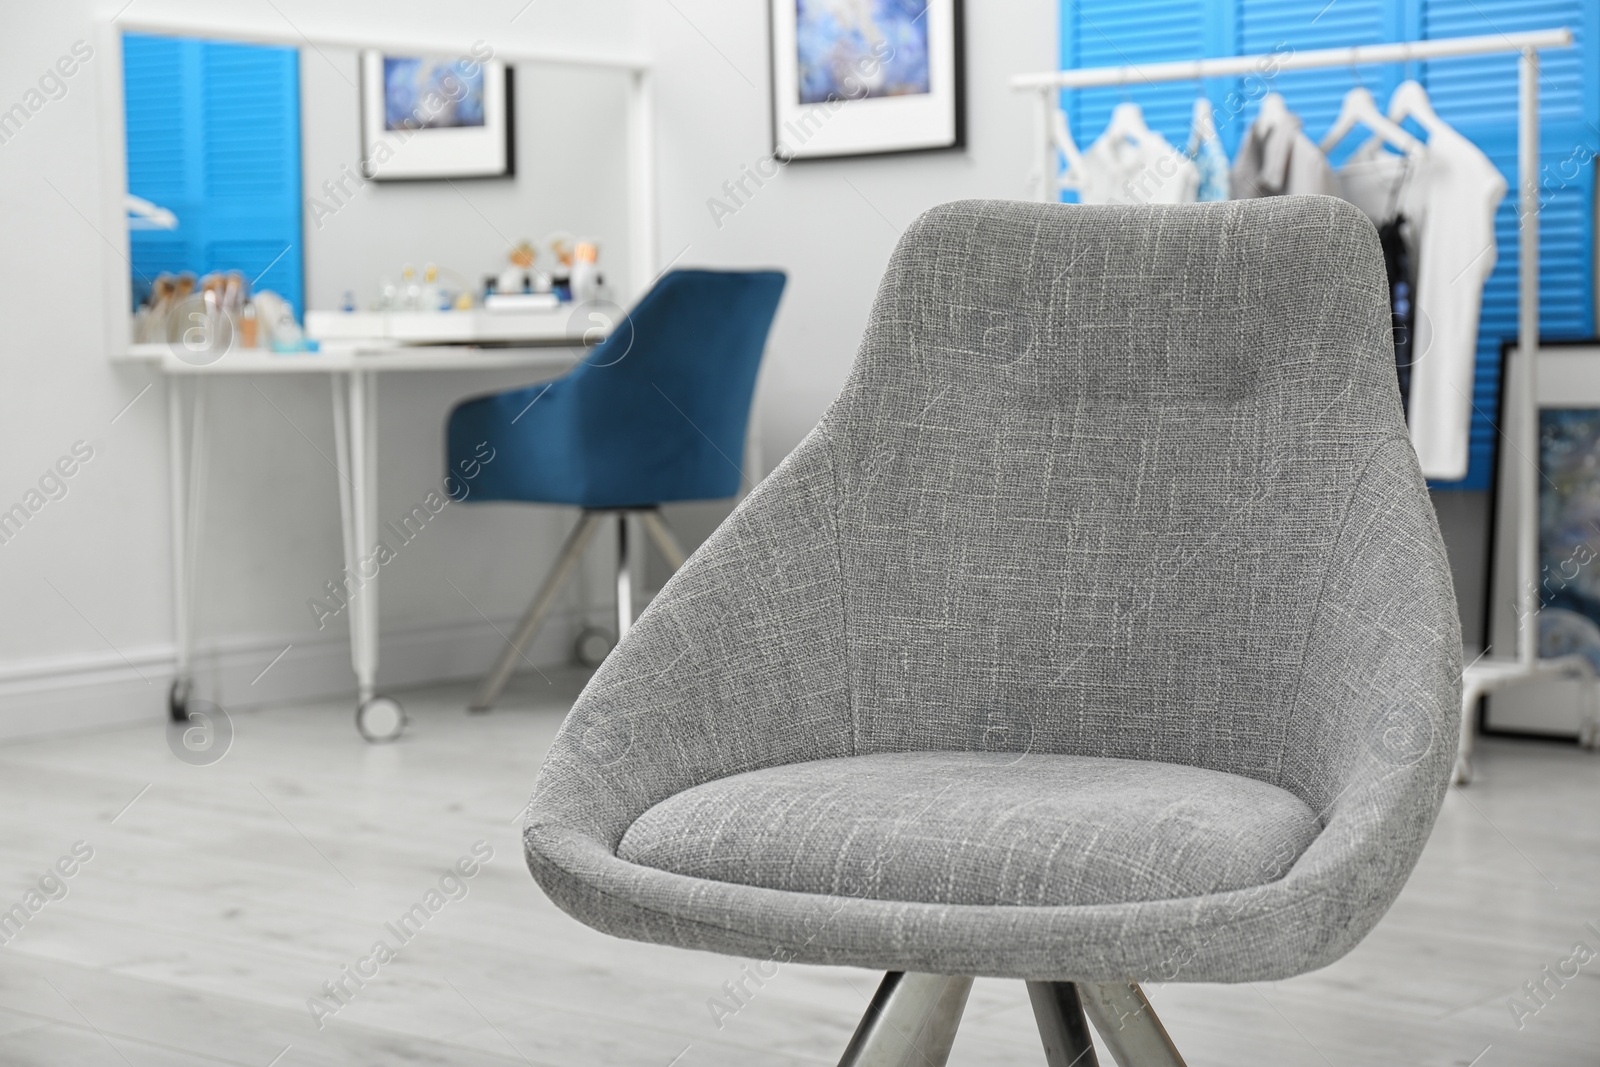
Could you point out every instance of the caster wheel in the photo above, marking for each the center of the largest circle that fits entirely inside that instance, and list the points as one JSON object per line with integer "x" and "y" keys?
{"x": 178, "y": 700}
{"x": 381, "y": 719}
{"x": 592, "y": 646}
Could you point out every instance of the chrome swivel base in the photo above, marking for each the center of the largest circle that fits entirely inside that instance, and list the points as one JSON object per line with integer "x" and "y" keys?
{"x": 912, "y": 1022}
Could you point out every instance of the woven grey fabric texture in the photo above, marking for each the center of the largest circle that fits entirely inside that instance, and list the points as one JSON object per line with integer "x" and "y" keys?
{"x": 1114, "y": 482}
{"x": 979, "y": 828}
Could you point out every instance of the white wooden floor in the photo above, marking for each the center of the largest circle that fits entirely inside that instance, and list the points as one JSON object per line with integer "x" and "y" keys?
{"x": 224, "y": 896}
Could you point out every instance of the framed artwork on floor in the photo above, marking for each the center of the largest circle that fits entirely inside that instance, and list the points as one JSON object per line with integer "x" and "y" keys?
{"x": 435, "y": 117}
{"x": 866, "y": 77}
{"x": 1569, "y": 531}
{"x": 1567, "y": 577}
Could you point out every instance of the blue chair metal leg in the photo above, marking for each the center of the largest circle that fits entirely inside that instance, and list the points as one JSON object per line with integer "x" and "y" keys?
{"x": 624, "y": 577}
{"x": 495, "y": 681}
{"x": 659, "y": 533}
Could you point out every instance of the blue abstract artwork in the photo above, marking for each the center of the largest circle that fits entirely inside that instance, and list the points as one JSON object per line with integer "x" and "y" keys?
{"x": 422, "y": 93}
{"x": 856, "y": 49}
{"x": 1569, "y": 533}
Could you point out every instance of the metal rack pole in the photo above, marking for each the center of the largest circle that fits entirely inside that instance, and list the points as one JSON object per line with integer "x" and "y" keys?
{"x": 1526, "y": 373}
{"x": 1197, "y": 69}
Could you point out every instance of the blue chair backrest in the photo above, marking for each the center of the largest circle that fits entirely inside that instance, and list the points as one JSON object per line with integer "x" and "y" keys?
{"x": 664, "y": 402}
{"x": 657, "y": 412}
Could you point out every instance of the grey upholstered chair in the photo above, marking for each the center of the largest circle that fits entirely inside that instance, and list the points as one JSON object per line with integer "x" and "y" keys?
{"x": 1101, "y": 632}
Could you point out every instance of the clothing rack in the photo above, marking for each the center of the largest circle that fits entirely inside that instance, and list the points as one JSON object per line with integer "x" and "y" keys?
{"x": 1521, "y": 455}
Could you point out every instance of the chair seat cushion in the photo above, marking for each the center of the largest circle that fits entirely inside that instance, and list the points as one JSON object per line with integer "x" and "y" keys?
{"x": 979, "y": 828}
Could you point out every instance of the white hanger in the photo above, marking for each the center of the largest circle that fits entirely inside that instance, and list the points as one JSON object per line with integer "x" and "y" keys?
{"x": 1273, "y": 111}
{"x": 1410, "y": 101}
{"x": 1127, "y": 121}
{"x": 1068, "y": 149}
{"x": 1202, "y": 123}
{"x": 1360, "y": 108}
{"x": 143, "y": 215}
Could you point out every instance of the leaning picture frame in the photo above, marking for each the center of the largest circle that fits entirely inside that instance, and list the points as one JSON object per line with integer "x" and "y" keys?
{"x": 866, "y": 77}
{"x": 435, "y": 117}
{"x": 1566, "y": 587}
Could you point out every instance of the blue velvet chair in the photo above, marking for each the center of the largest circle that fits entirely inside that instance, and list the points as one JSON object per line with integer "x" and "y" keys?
{"x": 656, "y": 413}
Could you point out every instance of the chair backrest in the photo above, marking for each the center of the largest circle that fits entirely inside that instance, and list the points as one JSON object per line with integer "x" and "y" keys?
{"x": 664, "y": 402}
{"x": 1092, "y": 465}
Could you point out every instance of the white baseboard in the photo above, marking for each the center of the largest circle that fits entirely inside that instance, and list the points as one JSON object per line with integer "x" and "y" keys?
{"x": 1553, "y": 707}
{"x": 98, "y": 691}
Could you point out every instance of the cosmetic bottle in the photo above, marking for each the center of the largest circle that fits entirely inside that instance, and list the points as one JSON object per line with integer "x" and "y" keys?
{"x": 410, "y": 290}
{"x": 585, "y": 273}
{"x": 431, "y": 299}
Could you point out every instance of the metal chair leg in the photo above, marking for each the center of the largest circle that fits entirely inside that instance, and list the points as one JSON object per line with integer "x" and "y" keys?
{"x": 911, "y": 1022}
{"x": 624, "y": 577}
{"x": 495, "y": 681}
{"x": 1062, "y": 1027}
{"x": 1128, "y": 1025}
{"x": 661, "y": 535}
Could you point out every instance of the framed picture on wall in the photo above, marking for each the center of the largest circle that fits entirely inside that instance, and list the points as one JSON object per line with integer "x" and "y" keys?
{"x": 435, "y": 117}
{"x": 865, "y": 77}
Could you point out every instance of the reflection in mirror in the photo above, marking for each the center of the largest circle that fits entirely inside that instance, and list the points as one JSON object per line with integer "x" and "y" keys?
{"x": 214, "y": 206}
{"x": 287, "y": 198}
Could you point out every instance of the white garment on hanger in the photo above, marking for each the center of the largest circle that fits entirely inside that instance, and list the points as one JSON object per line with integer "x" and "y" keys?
{"x": 1130, "y": 163}
{"x": 1449, "y": 192}
{"x": 1360, "y": 109}
{"x": 1205, "y": 149}
{"x": 1071, "y": 176}
{"x": 1451, "y": 202}
{"x": 1375, "y": 181}
{"x": 1276, "y": 158}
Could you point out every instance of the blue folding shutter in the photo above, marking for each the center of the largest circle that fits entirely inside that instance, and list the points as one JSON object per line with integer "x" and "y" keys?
{"x": 160, "y": 109}
{"x": 1476, "y": 95}
{"x": 1103, "y": 33}
{"x": 1303, "y": 25}
{"x": 214, "y": 135}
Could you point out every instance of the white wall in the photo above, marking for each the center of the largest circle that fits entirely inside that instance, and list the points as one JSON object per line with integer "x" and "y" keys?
{"x": 571, "y": 158}
{"x": 830, "y": 224}
{"x": 86, "y": 582}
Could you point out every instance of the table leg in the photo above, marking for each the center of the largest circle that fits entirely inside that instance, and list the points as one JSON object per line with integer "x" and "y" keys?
{"x": 186, "y": 455}
{"x": 183, "y": 648}
{"x": 369, "y": 494}
{"x": 355, "y": 430}
{"x": 364, "y": 603}
{"x": 352, "y": 594}
{"x": 199, "y": 453}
